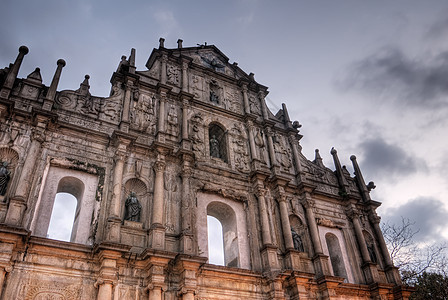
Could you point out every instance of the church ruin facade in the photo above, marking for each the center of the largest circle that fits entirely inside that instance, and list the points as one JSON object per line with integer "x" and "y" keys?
{"x": 187, "y": 139}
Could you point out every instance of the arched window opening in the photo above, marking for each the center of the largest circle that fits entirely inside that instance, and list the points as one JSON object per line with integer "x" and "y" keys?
{"x": 215, "y": 241}
{"x": 62, "y": 217}
{"x": 337, "y": 261}
{"x": 226, "y": 216}
{"x": 217, "y": 139}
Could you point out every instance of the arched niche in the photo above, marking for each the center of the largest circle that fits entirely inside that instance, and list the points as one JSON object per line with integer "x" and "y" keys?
{"x": 141, "y": 192}
{"x": 81, "y": 185}
{"x": 336, "y": 257}
{"x": 300, "y": 228}
{"x": 371, "y": 247}
{"x": 8, "y": 165}
{"x": 232, "y": 216}
{"x": 217, "y": 142}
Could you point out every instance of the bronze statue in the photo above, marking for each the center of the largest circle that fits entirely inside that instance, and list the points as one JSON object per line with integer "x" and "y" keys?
{"x": 133, "y": 208}
{"x": 297, "y": 240}
{"x": 4, "y": 177}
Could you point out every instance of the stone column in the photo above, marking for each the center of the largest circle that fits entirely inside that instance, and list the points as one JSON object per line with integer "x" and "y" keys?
{"x": 114, "y": 219}
{"x": 184, "y": 77}
{"x": 245, "y": 99}
{"x": 286, "y": 226}
{"x": 155, "y": 292}
{"x": 253, "y": 149}
{"x": 12, "y": 75}
{"x": 185, "y": 119}
{"x": 360, "y": 237}
{"x": 186, "y": 240}
{"x": 157, "y": 232}
{"x": 320, "y": 260}
{"x": 375, "y": 220}
{"x": 49, "y": 99}
{"x": 163, "y": 70}
{"x": 295, "y": 153}
{"x": 271, "y": 147}
{"x": 264, "y": 109}
{"x": 105, "y": 290}
{"x": 126, "y": 106}
{"x": 18, "y": 202}
{"x": 3, "y": 272}
{"x": 265, "y": 232}
{"x": 161, "y": 123}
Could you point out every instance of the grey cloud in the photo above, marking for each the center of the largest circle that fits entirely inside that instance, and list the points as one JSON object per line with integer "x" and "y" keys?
{"x": 438, "y": 29}
{"x": 429, "y": 215}
{"x": 383, "y": 159}
{"x": 390, "y": 74}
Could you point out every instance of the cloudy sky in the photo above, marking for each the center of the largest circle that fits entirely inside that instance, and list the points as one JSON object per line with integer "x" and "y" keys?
{"x": 367, "y": 77}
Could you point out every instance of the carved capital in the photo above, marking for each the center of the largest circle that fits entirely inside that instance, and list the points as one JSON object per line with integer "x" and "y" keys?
{"x": 260, "y": 191}
{"x": 184, "y": 65}
{"x": 185, "y": 103}
{"x": 38, "y": 135}
{"x": 352, "y": 213}
{"x": 374, "y": 218}
{"x": 164, "y": 58}
{"x": 159, "y": 166}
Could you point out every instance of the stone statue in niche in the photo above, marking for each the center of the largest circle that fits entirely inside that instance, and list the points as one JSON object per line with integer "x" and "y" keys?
{"x": 214, "y": 92}
{"x": 214, "y": 147}
{"x": 297, "y": 240}
{"x": 133, "y": 208}
{"x": 172, "y": 120}
{"x": 4, "y": 177}
{"x": 372, "y": 254}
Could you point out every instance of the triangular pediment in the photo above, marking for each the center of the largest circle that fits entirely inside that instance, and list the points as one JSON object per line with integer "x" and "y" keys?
{"x": 204, "y": 56}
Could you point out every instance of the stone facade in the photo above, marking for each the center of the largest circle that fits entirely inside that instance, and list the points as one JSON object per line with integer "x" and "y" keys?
{"x": 189, "y": 137}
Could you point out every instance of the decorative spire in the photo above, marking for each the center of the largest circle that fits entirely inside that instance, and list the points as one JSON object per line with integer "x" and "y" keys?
{"x": 286, "y": 116}
{"x": 360, "y": 180}
{"x": 179, "y": 43}
{"x": 161, "y": 42}
{"x": 132, "y": 61}
{"x": 35, "y": 76}
{"x": 48, "y": 102}
{"x": 84, "y": 86}
{"x": 14, "y": 71}
{"x": 318, "y": 159}
{"x": 340, "y": 173}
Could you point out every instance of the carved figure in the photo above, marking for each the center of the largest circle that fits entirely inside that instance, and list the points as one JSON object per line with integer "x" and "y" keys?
{"x": 133, "y": 208}
{"x": 372, "y": 253}
{"x": 259, "y": 141}
{"x": 214, "y": 97}
{"x": 297, "y": 240}
{"x": 214, "y": 147}
{"x": 4, "y": 177}
{"x": 172, "y": 121}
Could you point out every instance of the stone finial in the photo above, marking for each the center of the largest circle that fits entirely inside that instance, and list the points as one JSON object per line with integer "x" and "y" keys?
{"x": 13, "y": 72}
{"x": 161, "y": 43}
{"x": 54, "y": 85}
{"x": 132, "y": 58}
{"x": 84, "y": 86}
{"x": 252, "y": 76}
{"x": 364, "y": 189}
{"x": 35, "y": 76}
{"x": 179, "y": 43}
{"x": 318, "y": 159}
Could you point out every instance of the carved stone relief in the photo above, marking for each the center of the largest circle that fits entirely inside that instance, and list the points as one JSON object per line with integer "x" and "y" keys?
{"x": 143, "y": 113}
{"x": 197, "y": 86}
{"x": 233, "y": 100}
{"x": 261, "y": 145}
{"x": 112, "y": 105}
{"x": 172, "y": 196}
{"x": 240, "y": 153}
{"x": 283, "y": 153}
{"x": 50, "y": 290}
{"x": 215, "y": 93}
{"x": 197, "y": 133}
{"x": 254, "y": 105}
{"x": 172, "y": 121}
{"x": 173, "y": 74}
